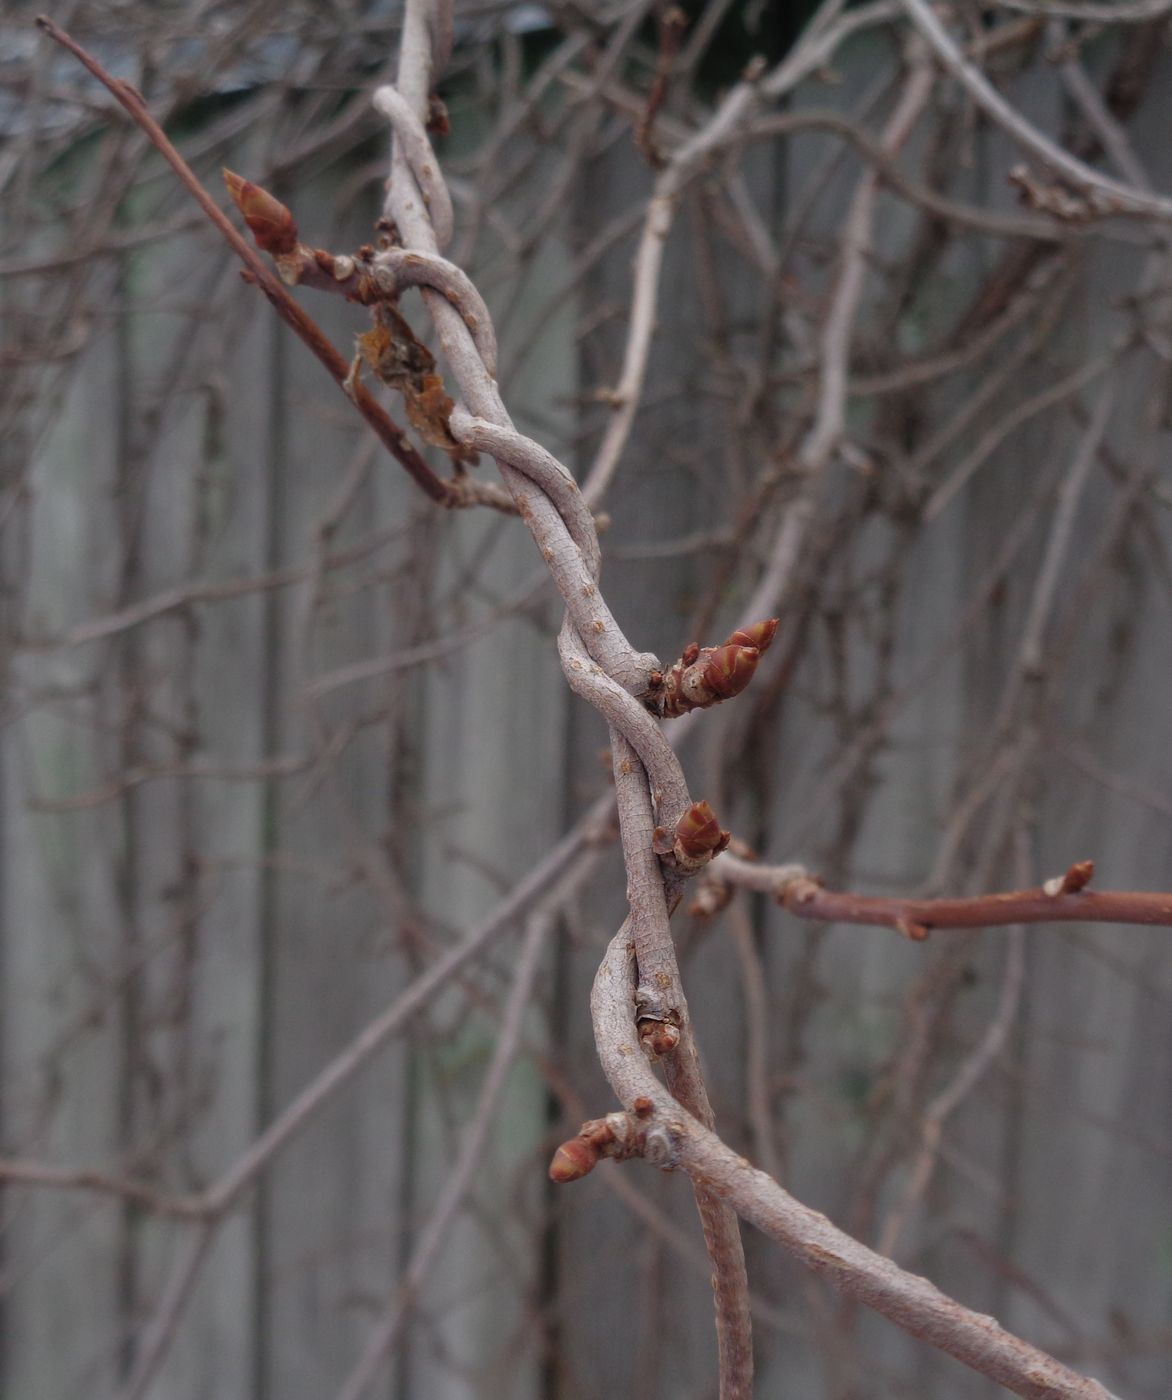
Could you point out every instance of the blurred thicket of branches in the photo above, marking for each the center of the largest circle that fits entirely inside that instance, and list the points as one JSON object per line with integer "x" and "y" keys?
{"x": 282, "y": 742}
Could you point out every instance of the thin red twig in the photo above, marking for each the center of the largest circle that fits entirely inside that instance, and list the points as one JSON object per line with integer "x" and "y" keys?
{"x": 389, "y": 433}
{"x": 917, "y": 917}
{"x": 1064, "y": 899}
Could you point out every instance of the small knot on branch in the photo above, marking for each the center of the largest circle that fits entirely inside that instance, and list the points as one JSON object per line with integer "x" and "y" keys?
{"x": 1060, "y": 199}
{"x": 913, "y": 930}
{"x": 715, "y": 889}
{"x": 713, "y": 896}
{"x": 802, "y": 889}
{"x": 658, "y": 1022}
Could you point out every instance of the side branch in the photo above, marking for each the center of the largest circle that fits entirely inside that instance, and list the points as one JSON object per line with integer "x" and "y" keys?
{"x": 1063, "y": 899}
{"x": 388, "y": 432}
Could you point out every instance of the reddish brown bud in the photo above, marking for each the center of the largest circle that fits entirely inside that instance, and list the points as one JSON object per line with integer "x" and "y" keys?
{"x": 642, "y": 1108}
{"x": 1078, "y": 877}
{"x": 757, "y": 634}
{"x": 705, "y": 676}
{"x": 573, "y": 1159}
{"x": 271, "y": 224}
{"x": 438, "y": 122}
{"x": 729, "y": 669}
{"x": 698, "y": 833}
{"x": 660, "y": 1037}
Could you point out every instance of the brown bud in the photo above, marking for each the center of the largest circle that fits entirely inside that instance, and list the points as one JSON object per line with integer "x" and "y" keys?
{"x": 698, "y": 833}
{"x": 728, "y": 669}
{"x": 757, "y": 634}
{"x": 691, "y": 653}
{"x": 271, "y": 224}
{"x": 438, "y": 122}
{"x": 1078, "y": 877}
{"x": 659, "y": 1037}
{"x": 573, "y": 1159}
{"x": 642, "y": 1107}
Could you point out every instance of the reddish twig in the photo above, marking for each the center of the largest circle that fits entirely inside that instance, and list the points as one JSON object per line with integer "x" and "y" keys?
{"x": 389, "y": 433}
{"x": 672, "y": 22}
{"x": 1062, "y": 899}
{"x": 916, "y": 918}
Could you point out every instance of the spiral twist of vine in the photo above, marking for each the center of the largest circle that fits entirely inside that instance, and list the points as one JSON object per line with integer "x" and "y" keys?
{"x": 599, "y": 662}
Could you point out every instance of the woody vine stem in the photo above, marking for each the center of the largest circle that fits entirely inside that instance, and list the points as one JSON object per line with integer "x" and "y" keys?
{"x": 639, "y": 1008}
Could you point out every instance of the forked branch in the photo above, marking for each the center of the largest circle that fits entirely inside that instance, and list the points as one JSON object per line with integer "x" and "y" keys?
{"x": 295, "y": 317}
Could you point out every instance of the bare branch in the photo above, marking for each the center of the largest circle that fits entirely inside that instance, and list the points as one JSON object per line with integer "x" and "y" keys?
{"x": 1063, "y": 900}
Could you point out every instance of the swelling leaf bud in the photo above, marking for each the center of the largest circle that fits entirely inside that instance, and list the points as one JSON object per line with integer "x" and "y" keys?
{"x": 272, "y": 225}
{"x": 757, "y": 634}
{"x": 729, "y": 669}
{"x": 698, "y": 833}
{"x": 573, "y": 1159}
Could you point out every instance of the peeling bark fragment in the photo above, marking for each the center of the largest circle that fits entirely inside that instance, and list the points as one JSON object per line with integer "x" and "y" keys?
{"x": 400, "y": 359}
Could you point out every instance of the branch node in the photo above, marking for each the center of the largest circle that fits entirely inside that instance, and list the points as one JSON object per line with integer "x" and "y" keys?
{"x": 619, "y": 1136}
{"x": 660, "y": 1148}
{"x": 713, "y": 895}
{"x": 912, "y": 930}
{"x": 801, "y": 889}
{"x": 704, "y": 676}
